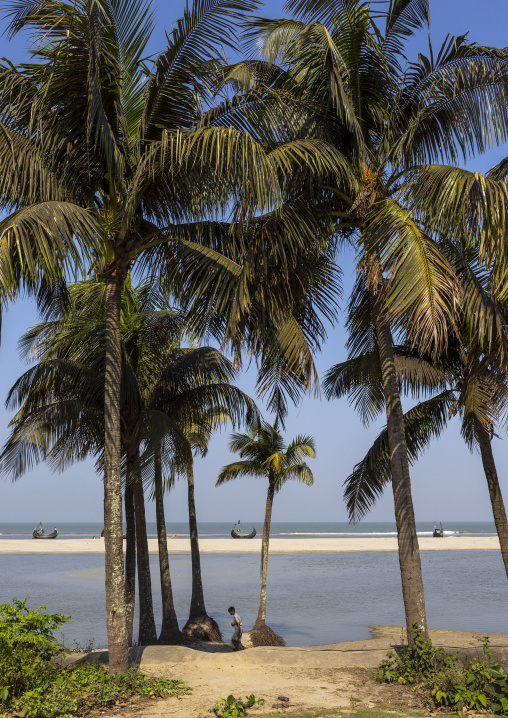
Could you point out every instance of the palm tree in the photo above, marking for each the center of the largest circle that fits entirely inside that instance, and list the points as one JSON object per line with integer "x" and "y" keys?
{"x": 166, "y": 392}
{"x": 70, "y": 346}
{"x": 194, "y": 392}
{"x": 265, "y": 454}
{"x": 476, "y": 390}
{"x": 99, "y": 149}
{"x": 340, "y": 69}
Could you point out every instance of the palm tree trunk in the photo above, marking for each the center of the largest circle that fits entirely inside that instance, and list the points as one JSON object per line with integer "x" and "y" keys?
{"x": 261, "y": 634}
{"x": 113, "y": 529}
{"x": 200, "y": 625}
{"x": 409, "y": 553}
{"x": 170, "y": 631}
{"x": 130, "y": 560}
{"x": 197, "y": 607}
{"x": 496, "y": 497}
{"x": 261, "y": 618}
{"x": 147, "y": 632}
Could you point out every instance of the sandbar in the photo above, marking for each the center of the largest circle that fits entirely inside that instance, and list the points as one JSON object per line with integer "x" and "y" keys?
{"x": 180, "y": 546}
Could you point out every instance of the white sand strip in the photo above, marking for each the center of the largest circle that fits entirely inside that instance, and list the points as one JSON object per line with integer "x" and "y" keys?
{"x": 231, "y": 546}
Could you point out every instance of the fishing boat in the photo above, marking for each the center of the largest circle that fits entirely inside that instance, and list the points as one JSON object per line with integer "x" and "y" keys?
{"x": 39, "y": 533}
{"x": 438, "y": 532}
{"x": 236, "y": 532}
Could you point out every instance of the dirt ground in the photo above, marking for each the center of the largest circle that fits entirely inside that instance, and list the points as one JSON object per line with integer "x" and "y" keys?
{"x": 319, "y": 677}
{"x": 307, "y": 689}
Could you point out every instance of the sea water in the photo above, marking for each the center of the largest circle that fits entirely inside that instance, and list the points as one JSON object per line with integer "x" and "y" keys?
{"x": 296, "y": 529}
{"x": 312, "y": 598}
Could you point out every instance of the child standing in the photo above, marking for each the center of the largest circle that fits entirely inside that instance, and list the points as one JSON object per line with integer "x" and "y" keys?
{"x": 237, "y": 635}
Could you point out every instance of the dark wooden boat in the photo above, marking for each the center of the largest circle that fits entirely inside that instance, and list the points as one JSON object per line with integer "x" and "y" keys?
{"x": 38, "y": 535}
{"x": 102, "y": 534}
{"x": 237, "y": 533}
{"x": 438, "y": 532}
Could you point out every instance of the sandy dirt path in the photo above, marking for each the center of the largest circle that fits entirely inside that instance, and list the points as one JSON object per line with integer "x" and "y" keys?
{"x": 320, "y": 677}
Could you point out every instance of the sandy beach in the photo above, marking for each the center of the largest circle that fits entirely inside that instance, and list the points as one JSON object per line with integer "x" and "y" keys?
{"x": 180, "y": 546}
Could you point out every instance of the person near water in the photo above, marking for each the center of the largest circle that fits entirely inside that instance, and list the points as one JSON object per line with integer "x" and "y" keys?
{"x": 237, "y": 635}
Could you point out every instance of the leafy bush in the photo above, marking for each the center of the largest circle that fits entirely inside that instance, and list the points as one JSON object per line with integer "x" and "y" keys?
{"x": 78, "y": 690}
{"x": 232, "y": 707}
{"x": 27, "y": 645}
{"x": 481, "y": 684}
{"x": 32, "y": 683}
{"x": 418, "y": 663}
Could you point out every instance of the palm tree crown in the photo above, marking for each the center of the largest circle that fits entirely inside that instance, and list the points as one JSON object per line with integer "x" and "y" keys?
{"x": 264, "y": 453}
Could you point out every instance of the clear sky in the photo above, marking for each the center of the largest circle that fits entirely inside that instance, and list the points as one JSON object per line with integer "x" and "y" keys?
{"x": 448, "y": 482}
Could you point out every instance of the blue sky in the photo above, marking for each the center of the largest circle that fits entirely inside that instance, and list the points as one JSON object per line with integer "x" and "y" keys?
{"x": 448, "y": 482}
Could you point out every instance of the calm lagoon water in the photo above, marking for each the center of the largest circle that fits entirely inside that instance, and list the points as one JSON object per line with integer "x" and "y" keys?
{"x": 312, "y": 598}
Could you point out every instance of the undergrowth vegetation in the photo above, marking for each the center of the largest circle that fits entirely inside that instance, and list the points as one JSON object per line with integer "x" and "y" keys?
{"x": 480, "y": 684}
{"x": 32, "y": 682}
{"x": 232, "y": 707}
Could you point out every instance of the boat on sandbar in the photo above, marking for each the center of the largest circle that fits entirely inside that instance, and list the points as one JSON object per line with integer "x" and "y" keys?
{"x": 39, "y": 533}
{"x": 236, "y": 532}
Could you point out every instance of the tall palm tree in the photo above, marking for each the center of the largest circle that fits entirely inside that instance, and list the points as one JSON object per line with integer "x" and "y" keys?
{"x": 166, "y": 392}
{"x": 98, "y": 146}
{"x": 70, "y": 347}
{"x": 340, "y": 69}
{"x": 194, "y": 392}
{"x": 264, "y": 454}
{"x": 476, "y": 390}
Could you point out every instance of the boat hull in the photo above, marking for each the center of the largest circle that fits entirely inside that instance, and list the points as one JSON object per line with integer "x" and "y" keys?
{"x": 247, "y": 536}
{"x": 52, "y": 535}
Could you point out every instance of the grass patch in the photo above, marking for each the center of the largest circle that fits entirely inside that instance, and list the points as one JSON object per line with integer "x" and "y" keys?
{"x": 348, "y": 713}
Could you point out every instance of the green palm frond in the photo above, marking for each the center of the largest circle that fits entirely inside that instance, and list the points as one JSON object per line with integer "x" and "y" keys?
{"x": 240, "y": 469}
{"x": 452, "y": 201}
{"x": 264, "y": 453}
{"x": 372, "y": 474}
{"x": 422, "y": 288}
{"x": 45, "y": 238}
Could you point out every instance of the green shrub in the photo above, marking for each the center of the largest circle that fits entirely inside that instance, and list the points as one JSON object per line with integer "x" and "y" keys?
{"x": 27, "y": 645}
{"x": 418, "y": 663}
{"x": 481, "y": 685}
{"x": 232, "y": 707}
{"x": 78, "y": 690}
{"x": 30, "y": 682}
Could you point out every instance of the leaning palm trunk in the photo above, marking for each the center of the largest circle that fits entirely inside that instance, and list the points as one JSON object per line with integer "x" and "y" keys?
{"x": 113, "y": 529}
{"x": 170, "y": 631}
{"x": 147, "y": 632}
{"x": 130, "y": 560}
{"x": 496, "y": 497}
{"x": 409, "y": 553}
{"x": 200, "y": 625}
{"x": 261, "y": 634}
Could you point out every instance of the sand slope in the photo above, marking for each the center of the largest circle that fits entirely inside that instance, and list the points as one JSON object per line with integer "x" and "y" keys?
{"x": 312, "y": 677}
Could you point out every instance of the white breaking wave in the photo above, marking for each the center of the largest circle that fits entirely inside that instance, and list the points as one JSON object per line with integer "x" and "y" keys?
{"x": 356, "y": 533}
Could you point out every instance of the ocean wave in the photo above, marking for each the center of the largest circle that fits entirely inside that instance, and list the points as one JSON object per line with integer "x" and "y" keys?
{"x": 356, "y": 533}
